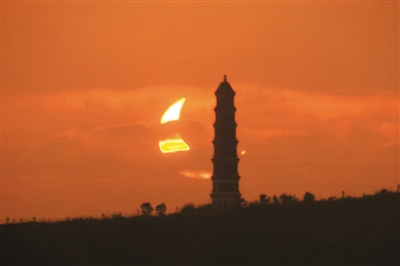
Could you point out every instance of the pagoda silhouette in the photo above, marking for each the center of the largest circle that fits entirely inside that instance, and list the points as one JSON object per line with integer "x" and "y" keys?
{"x": 225, "y": 192}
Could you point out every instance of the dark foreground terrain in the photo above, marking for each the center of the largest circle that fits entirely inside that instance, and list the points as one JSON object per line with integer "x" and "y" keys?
{"x": 347, "y": 231}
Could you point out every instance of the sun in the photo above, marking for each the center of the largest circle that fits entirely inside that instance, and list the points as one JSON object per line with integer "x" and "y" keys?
{"x": 173, "y": 145}
{"x": 173, "y": 112}
{"x": 176, "y": 143}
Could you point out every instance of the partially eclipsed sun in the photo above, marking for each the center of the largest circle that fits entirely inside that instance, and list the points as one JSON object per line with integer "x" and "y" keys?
{"x": 177, "y": 143}
{"x": 173, "y": 112}
{"x": 173, "y": 145}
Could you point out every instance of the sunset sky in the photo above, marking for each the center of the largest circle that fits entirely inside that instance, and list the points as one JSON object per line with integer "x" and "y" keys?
{"x": 84, "y": 86}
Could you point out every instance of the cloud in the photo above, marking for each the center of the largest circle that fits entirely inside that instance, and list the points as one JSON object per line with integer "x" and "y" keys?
{"x": 294, "y": 141}
{"x": 284, "y": 111}
{"x": 196, "y": 174}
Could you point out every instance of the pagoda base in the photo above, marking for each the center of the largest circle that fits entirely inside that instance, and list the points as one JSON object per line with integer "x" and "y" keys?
{"x": 224, "y": 201}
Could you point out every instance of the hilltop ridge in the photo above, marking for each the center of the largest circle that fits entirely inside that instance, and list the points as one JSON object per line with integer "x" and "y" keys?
{"x": 351, "y": 231}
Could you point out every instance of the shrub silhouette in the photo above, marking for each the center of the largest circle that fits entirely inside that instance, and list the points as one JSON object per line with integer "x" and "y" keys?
{"x": 264, "y": 199}
{"x": 243, "y": 203}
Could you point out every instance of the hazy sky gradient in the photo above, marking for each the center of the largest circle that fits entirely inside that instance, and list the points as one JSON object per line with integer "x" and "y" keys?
{"x": 84, "y": 85}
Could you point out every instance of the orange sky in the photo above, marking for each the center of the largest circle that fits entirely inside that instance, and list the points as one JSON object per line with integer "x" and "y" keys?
{"x": 84, "y": 85}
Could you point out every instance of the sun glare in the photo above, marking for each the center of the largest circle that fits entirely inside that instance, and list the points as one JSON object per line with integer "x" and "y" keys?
{"x": 173, "y": 145}
{"x": 243, "y": 152}
{"x": 173, "y": 112}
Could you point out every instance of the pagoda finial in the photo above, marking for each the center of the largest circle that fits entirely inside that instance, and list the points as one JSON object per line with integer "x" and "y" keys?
{"x": 224, "y": 78}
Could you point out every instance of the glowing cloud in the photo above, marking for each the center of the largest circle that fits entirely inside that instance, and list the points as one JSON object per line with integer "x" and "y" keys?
{"x": 173, "y": 145}
{"x": 173, "y": 112}
{"x": 196, "y": 174}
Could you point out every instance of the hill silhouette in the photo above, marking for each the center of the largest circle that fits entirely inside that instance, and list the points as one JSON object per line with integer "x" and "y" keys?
{"x": 273, "y": 231}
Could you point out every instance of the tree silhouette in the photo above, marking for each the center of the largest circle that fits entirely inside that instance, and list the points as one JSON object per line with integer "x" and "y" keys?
{"x": 161, "y": 209}
{"x": 275, "y": 200}
{"x": 264, "y": 199}
{"x": 287, "y": 199}
{"x": 147, "y": 209}
{"x": 308, "y": 198}
{"x": 188, "y": 208}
